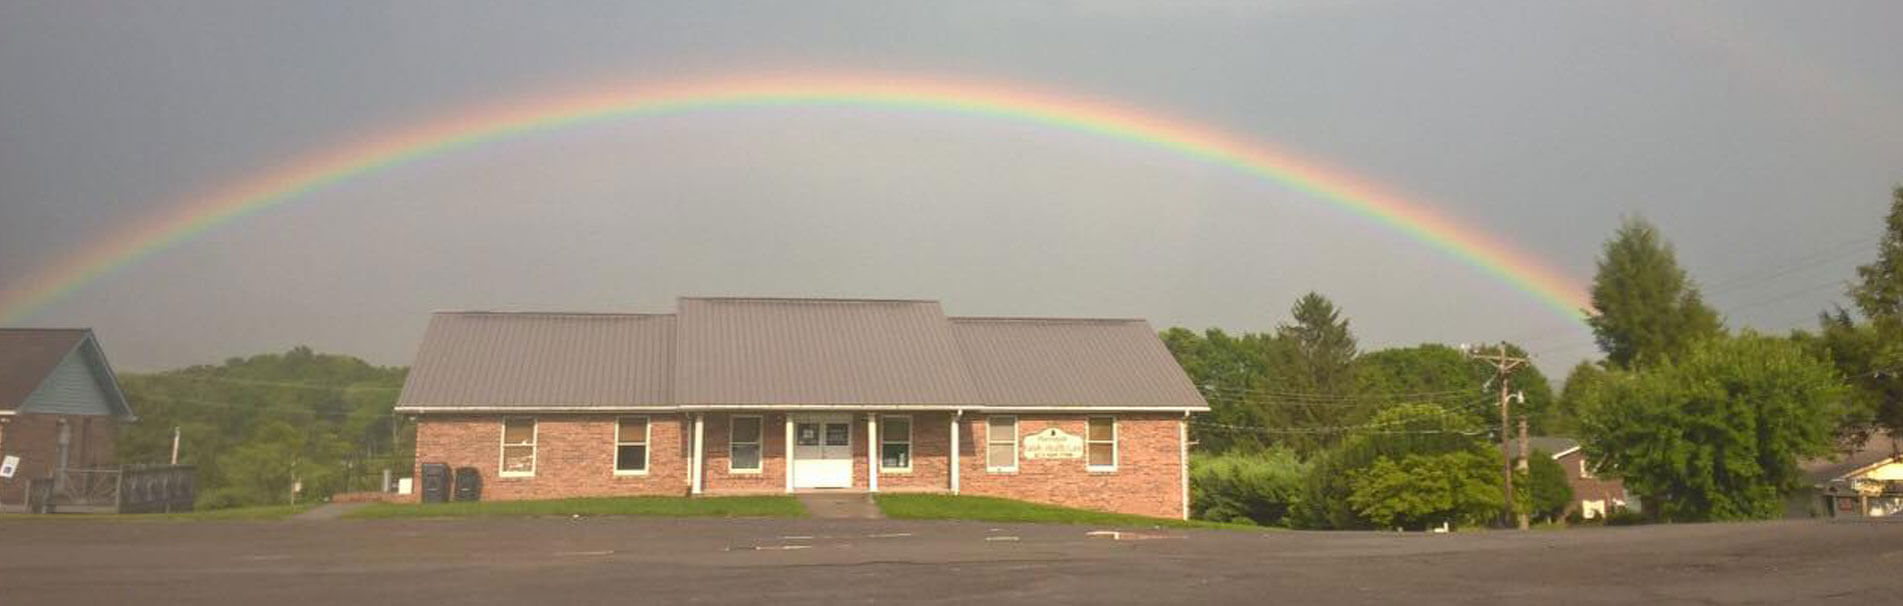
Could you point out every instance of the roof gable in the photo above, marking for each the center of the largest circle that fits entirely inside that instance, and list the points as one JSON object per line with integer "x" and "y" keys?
{"x": 60, "y": 371}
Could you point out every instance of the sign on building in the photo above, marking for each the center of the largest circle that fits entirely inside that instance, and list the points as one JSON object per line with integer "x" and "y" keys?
{"x": 8, "y": 465}
{"x": 1053, "y": 443}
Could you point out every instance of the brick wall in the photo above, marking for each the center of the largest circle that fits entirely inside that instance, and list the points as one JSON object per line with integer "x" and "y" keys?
{"x": 35, "y": 439}
{"x": 1147, "y": 481}
{"x": 574, "y": 456}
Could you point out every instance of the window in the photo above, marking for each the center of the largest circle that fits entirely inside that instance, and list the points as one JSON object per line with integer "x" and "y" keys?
{"x": 1583, "y": 472}
{"x": 1100, "y": 440}
{"x": 743, "y": 444}
{"x": 895, "y": 443}
{"x": 631, "y": 445}
{"x": 518, "y": 447}
{"x": 1001, "y": 443}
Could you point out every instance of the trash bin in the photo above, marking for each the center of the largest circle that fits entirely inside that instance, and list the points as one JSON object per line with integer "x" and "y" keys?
{"x": 435, "y": 482}
{"x": 468, "y": 484}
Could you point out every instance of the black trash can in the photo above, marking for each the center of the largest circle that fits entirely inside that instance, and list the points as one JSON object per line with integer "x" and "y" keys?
{"x": 435, "y": 482}
{"x": 468, "y": 484}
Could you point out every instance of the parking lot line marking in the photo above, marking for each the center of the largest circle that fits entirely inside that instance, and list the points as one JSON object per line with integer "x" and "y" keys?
{"x": 1001, "y": 538}
{"x": 585, "y": 553}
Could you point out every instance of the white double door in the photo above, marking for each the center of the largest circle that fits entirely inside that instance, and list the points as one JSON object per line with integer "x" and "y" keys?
{"x": 822, "y": 450}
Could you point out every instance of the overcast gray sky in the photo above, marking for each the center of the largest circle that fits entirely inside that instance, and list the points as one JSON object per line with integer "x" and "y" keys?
{"x": 1762, "y": 138}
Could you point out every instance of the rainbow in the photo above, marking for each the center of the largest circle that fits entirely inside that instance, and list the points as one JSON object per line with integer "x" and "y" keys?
{"x": 490, "y": 125}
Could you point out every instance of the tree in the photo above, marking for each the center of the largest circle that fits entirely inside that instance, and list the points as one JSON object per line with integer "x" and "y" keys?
{"x": 1312, "y": 370}
{"x": 1401, "y": 430}
{"x": 1455, "y": 380}
{"x": 1716, "y": 433}
{"x": 1546, "y": 484}
{"x": 1256, "y": 488}
{"x": 1230, "y": 371}
{"x": 1420, "y": 491}
{"x": 1870, "y": 354}
{"x": 1645, "y": 309}
{"x": 1585, "y": 377}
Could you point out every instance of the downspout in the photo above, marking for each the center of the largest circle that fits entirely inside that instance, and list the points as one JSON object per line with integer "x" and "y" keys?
{"x": 956, "y": 415}
{"x": 699, "y": 456}
{"x": 786, "y": 452}
{"x": 872, "y": 452}
{"x": 1182, "y": 440}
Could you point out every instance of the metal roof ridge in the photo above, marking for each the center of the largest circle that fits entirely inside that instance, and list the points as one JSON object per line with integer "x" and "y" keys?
{"x": 809, "y": 300}
{"x": 1028, "y": 319}
{"x": 532, "y": 312}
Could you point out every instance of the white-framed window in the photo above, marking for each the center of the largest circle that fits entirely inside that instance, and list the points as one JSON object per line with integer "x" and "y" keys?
{"x": 1100, "y": 443}
{"x": 743, "y": 443}
{"x": 1584, "y": 472}
{"x": 631, "y": 446}
{"x": 1001, "y": 443}
{"x": 518, "y": 447}
{"x": 895, "y": 443}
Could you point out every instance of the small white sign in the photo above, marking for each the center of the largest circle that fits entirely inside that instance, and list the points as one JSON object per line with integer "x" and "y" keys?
{"x": 1053, "y": 443}
{"x": 8, "y": 465}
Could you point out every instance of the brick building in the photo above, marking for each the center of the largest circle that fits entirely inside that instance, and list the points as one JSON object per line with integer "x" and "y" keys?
{"x": 754, "y": 395}
{"x": 60, "y": 406}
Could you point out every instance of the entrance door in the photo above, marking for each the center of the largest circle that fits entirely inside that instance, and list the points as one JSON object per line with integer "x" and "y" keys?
{"x": 822, "y": 451}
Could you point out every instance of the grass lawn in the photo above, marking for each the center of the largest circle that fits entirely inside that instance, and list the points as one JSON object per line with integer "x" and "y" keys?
{"x": 726, "y": 507}
{"x": 265, "y": 512}
{"x": 992, "y": 509}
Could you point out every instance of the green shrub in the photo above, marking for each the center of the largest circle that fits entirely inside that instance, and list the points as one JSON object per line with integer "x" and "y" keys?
{"x": 1237, "y": 488}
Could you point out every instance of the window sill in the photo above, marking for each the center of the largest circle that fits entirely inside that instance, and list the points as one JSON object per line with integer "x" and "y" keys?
{"x": 1100, "y": 470}
{"x": 745, "y": 472}
{"x": 895, "y": 471}
{"x": 1001, "y": 470}
{"x": 515, "y": 475}
{"x": 620, "y": 473}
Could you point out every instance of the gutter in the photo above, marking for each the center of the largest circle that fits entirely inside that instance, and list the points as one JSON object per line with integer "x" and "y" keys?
{"x": 422, "y": 409}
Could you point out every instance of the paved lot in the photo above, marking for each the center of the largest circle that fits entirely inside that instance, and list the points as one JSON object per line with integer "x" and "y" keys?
{"x": 621, "y": 560}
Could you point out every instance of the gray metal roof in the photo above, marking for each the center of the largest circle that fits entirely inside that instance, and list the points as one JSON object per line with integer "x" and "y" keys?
{"x": 817, "y": 351}
{"x": 793, "y": 352}
{"x": 542, "y": 359}
{"x": 1072, "y": 362}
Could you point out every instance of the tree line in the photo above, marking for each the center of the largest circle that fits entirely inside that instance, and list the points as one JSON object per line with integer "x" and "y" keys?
{"x": 270, "y": 429}
{"x": 1701, "y": 422}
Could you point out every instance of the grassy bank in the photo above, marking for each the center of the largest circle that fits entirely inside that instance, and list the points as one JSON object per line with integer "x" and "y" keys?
{"x": 720, "y": 507}
{"x": 991, "y": 509}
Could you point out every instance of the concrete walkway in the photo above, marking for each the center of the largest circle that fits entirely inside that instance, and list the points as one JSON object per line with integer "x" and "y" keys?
{"x": 857, "y": 506}
{"x": 328, "y": 511}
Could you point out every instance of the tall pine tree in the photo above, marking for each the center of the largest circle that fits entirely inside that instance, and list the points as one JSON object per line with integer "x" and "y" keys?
{"x": 1645, "y": 309}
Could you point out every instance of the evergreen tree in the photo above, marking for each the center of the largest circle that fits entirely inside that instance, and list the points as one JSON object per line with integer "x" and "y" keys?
{"x": 1645, "y": 309}
{"x": 1870, "y": 354}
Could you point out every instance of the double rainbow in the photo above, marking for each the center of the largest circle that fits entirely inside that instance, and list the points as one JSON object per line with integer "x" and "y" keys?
{"x": 484, "y": 126}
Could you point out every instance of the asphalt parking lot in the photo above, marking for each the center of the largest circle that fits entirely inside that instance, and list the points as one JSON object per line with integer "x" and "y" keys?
{"x": 633, "y": 560}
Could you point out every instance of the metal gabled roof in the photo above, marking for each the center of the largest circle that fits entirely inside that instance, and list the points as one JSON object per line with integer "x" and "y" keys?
{"x": 526, "y": 360}
{"x": 1062, "y": 362}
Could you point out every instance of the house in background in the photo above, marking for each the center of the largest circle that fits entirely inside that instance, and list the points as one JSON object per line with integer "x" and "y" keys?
{"x": 761, "y": 395}
{"x": 1593, "y": 496}
{"x": 60, "y": 406}
{"x": 1867, "y": 482}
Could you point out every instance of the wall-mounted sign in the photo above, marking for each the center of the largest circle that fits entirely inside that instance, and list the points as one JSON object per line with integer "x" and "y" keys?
{"x": 1053, "y": 443}
{"x": 8, "y": 465}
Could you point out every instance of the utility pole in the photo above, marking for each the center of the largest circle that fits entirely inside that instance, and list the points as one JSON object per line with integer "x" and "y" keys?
{"x": 174, "y": 444}
{"x": 1525, "y": 523}
{"x": 1503, "y": 366}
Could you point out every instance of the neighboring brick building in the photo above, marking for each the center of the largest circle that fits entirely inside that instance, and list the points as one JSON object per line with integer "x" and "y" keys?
{"x": 1593, "y": 495}
{"x": 60, "y": 406}
{"x": 1077, "y": 412}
